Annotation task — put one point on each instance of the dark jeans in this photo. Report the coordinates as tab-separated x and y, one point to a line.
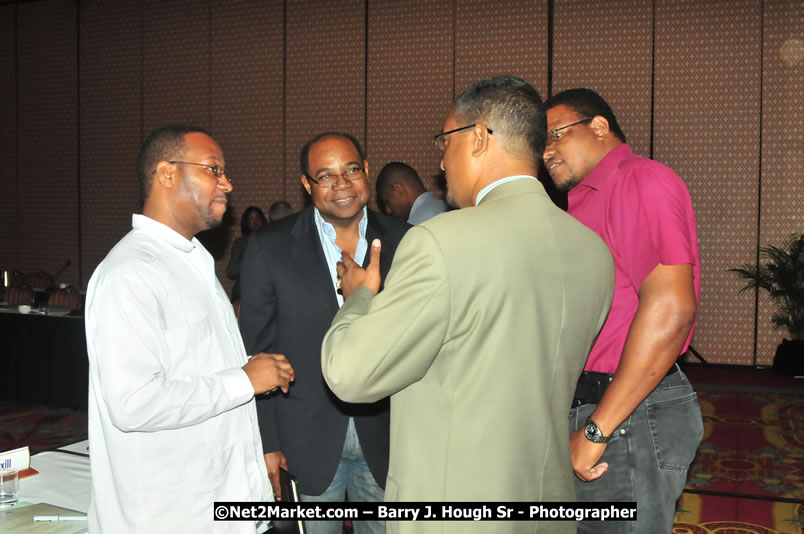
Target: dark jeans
648	457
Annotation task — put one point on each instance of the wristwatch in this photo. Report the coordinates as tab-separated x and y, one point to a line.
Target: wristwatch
593	432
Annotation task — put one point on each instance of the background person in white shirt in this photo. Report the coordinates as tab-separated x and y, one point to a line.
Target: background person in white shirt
172	419
401	194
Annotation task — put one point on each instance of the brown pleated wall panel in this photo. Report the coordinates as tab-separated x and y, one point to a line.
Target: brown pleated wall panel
176	63
606	46
502	37
9	214
247	108
177	79
707	124
110	124
324	78
782	208
48	137
410	82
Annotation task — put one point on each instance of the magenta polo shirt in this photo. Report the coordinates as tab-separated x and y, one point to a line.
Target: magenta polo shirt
643	211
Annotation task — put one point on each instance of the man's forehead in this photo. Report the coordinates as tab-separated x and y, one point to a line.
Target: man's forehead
202	144
560	113
333	148
451	122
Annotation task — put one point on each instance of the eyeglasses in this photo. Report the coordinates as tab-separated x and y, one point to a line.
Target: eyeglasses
440	139
555	134
352	174
220	172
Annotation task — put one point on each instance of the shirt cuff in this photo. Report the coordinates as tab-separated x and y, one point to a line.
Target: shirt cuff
236	384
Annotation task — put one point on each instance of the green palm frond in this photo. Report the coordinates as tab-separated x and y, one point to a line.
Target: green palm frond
781	273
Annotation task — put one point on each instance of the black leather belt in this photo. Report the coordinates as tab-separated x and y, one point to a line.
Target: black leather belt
591	386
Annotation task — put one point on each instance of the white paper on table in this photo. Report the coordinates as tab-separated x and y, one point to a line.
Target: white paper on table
19	520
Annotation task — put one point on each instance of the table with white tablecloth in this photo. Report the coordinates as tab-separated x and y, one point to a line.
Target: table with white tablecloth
63	478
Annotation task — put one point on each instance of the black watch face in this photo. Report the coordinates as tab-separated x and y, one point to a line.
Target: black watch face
593	433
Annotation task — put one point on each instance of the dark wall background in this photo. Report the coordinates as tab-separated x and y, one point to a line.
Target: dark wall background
712	88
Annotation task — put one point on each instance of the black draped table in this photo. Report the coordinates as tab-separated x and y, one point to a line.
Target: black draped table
44	359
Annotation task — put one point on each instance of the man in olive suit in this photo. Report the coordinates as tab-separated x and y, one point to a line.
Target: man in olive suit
484	324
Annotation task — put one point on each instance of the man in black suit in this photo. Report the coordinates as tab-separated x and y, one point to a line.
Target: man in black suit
289	295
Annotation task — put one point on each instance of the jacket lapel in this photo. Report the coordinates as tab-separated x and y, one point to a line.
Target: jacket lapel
374	231
308	255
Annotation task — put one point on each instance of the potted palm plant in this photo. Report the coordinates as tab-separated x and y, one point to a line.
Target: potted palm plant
780	272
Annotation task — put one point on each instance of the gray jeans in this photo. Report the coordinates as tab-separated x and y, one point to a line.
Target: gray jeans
648	457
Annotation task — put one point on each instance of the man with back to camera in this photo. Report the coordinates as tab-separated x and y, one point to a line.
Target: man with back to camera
483	326
172	418
635	422
279	210
289	297
402	195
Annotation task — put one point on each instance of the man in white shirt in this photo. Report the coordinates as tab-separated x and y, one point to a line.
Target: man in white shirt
401	194
172	419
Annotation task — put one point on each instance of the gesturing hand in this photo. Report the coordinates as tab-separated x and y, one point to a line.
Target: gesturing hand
351	275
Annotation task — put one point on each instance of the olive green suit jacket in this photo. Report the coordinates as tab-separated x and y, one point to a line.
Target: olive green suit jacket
479	336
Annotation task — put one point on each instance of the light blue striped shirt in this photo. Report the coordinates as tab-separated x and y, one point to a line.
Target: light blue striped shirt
332	252
483	192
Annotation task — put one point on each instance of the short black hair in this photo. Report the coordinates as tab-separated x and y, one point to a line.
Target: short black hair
245	229
587	104
511	108
397	172
304	157
279	209
163	144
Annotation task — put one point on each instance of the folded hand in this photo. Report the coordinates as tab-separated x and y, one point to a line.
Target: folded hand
268	372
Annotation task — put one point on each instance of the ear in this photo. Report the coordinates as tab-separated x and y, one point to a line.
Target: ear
306	185
399	190
365	168
480	140
164	173
600	126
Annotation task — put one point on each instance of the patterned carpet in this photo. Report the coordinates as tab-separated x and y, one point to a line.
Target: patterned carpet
39	427
748	475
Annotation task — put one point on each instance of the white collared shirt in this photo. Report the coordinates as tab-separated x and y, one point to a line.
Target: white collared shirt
485	191
333	253
172	418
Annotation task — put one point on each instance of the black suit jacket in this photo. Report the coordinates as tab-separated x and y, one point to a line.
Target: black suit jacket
287	302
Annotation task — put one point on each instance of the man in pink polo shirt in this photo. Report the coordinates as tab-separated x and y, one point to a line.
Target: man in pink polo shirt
635	422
